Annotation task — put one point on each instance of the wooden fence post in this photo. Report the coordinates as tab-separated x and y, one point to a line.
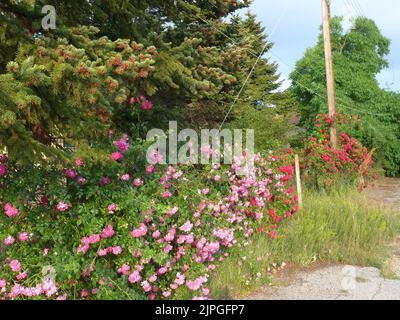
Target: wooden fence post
298	181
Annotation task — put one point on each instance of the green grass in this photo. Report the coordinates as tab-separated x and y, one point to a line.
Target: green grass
340	227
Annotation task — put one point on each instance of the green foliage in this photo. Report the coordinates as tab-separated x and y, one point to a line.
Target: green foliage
55	91
61	84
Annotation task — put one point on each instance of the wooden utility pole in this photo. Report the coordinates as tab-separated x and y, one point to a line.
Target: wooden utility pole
329	67
298	182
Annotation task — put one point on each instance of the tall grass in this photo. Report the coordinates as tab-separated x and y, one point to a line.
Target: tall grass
340	227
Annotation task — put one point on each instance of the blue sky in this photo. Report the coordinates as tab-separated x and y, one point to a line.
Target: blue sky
293	26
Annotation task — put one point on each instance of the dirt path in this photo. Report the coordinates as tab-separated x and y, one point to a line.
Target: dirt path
339	282
387	193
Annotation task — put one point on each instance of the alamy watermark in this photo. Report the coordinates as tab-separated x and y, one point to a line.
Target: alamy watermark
213	146
49	20
349	280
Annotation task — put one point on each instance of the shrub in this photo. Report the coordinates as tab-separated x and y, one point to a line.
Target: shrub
123	231
324	166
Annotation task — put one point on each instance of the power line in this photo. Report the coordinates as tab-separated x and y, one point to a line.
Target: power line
255	64
258	56
244	84
357	7
351	7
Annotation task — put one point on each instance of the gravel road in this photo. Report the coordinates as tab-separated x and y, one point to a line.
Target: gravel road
339	282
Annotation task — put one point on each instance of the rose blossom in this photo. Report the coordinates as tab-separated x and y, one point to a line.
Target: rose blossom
125	177
15	266
138	182
107	232
112	207
22	275
3	283
2	170
79	162
70	173
61	206
23	236
9	241
149	169
116	250
187	227
124	269
134	277
117	156
140	232
10	211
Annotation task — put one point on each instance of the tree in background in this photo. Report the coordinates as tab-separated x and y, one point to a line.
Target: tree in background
177	55
262	105
359	55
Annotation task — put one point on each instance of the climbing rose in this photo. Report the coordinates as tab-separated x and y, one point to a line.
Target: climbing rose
70	173
81	180
15	266
149	169
61	206
140	232
112	207
124	269
125	177
156	157
146	286
10	211
147	105
79	162
9	240
122	144
116	250
138	182
3	283
134	277
117	156
23	236
22	275
187	227
107	232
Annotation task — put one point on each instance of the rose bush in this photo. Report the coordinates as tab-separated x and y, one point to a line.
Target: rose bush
349	164
121	230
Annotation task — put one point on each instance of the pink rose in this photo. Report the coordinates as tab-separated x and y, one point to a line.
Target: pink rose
15	266
138	182
9	241
134	277
149	169
116	250
21	276
125	177
112	207
107	232
10	211
61	206
117	156
140	232
2	170
79	162
23	236
70	173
